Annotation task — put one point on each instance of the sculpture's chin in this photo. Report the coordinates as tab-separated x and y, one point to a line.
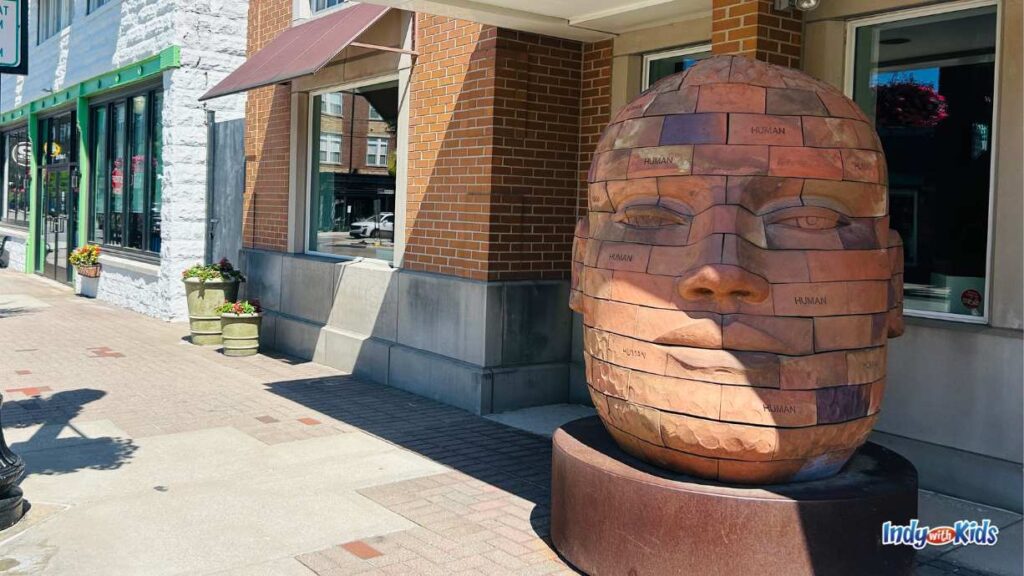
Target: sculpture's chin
730	453
751	417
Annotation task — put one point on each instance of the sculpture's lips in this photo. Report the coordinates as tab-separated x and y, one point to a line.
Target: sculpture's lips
739	335
724	366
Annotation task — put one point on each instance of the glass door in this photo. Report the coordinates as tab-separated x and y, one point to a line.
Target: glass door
58	195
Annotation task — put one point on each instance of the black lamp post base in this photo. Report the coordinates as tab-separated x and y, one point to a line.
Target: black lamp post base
12	507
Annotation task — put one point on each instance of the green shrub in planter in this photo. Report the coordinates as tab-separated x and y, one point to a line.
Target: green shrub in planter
240	327
208	286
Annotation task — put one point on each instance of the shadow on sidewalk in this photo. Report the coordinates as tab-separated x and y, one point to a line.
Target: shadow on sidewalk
511	460
58	446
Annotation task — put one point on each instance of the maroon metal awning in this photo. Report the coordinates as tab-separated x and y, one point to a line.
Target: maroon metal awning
300	50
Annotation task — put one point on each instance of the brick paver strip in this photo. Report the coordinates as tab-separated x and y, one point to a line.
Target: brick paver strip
30	391
361	549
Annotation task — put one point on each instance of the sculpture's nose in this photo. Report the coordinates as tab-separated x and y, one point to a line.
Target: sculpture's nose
725	285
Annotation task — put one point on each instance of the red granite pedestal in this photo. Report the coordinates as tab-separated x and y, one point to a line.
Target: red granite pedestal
612	514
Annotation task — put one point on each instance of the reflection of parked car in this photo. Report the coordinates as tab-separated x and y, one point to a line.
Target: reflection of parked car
368	227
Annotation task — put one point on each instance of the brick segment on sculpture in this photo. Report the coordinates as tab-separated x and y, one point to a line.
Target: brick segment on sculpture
736	274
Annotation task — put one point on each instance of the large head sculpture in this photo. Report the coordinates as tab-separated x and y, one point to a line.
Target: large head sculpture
737	276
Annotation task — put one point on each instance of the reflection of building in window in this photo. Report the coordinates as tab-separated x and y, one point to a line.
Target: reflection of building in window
376	152
330	148
352	189
332	104
318	5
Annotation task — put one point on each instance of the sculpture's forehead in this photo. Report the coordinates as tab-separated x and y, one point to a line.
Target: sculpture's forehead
757	194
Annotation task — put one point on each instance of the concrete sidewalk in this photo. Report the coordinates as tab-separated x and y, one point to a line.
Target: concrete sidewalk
148	455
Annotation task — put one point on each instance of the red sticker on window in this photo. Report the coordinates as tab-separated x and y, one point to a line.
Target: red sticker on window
971	299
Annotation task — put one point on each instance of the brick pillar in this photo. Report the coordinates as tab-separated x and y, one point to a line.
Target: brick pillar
595	107
267	138
493	152
755	28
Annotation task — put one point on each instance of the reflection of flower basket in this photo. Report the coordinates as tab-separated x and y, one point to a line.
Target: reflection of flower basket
92	271
907	103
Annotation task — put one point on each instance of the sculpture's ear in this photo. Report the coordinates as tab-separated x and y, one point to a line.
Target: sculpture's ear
579	252
895	246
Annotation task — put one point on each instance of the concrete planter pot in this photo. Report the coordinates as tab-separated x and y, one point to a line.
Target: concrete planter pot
87	281
203	299
241	334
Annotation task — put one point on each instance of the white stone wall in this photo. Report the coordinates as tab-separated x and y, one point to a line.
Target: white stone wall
212	36
14	251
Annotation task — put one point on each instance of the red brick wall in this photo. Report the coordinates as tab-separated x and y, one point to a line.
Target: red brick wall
451	98
595	107
267	134
755	28
534	180
493	152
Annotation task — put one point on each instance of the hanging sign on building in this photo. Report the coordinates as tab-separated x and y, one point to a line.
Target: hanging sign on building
14	37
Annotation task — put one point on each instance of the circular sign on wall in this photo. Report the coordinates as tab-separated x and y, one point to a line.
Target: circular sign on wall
21	153
971	299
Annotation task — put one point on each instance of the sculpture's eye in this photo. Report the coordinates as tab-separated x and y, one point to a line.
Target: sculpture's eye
650	216
808	218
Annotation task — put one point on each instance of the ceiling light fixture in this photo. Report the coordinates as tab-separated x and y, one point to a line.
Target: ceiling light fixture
801	5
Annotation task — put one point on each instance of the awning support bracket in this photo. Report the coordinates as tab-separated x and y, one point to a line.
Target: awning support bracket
384	48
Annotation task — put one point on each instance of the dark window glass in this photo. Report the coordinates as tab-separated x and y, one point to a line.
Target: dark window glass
928	84
17	177
117	175
100	187
157	172
137	174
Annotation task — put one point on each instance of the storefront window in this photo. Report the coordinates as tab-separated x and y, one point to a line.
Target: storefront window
352	183
661	64
928	84
17	176
127	173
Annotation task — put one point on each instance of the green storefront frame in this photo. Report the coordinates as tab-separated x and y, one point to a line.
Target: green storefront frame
78	96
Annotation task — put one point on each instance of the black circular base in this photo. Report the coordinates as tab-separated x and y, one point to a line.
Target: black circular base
12	507
612	514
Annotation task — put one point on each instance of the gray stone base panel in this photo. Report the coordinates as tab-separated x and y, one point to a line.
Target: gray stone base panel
478	390
362	356
442	379
965	475
473	388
